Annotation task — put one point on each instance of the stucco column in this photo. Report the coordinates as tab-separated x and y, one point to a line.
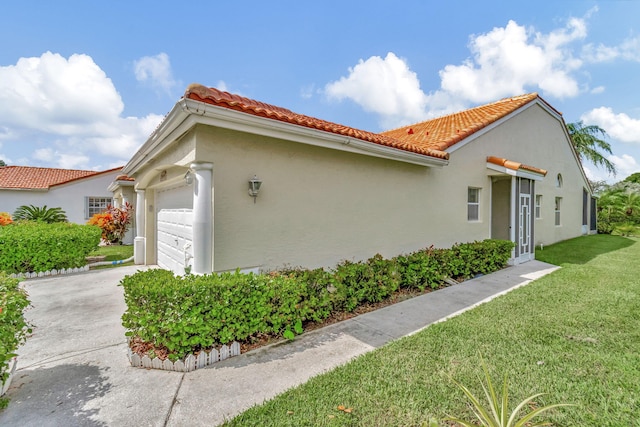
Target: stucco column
139	241
202	218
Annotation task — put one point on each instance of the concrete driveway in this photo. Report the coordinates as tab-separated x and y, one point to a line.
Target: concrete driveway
74	370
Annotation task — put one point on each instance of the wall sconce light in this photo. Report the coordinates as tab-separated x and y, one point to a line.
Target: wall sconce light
188	177
254	187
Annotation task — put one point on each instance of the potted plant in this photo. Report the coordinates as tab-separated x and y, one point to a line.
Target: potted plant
13	327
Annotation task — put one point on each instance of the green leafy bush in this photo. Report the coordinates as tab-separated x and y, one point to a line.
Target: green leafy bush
13	327
34	246
192	313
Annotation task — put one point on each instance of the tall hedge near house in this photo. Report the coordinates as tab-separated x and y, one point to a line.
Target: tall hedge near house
30	246
186	314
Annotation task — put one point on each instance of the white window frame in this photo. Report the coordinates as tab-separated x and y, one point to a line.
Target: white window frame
538	206
475	205
557	211
96	204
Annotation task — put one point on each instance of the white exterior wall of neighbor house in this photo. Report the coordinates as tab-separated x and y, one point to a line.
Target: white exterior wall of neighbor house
533	137
70	196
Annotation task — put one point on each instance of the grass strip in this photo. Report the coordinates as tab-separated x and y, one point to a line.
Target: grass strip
573	335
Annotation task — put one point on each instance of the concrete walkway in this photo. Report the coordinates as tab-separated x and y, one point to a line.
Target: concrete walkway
74	370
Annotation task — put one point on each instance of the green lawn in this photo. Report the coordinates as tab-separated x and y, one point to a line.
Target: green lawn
114	252
574	334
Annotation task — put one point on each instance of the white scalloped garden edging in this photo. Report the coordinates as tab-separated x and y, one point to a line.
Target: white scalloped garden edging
53	272
11	370
190	363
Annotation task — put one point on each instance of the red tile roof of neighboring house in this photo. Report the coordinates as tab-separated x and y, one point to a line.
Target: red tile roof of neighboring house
235	102
443	132
36	178
510	164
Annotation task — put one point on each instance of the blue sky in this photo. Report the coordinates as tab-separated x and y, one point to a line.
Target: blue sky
83	84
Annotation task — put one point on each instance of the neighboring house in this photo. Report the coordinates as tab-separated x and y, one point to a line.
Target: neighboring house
505	170
80	193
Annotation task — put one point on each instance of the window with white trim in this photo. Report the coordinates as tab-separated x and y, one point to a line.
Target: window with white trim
538	206
473	204
557	209
559	181
94	205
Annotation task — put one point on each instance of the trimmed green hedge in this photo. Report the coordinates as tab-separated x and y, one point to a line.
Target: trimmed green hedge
192	313
29	246
13	327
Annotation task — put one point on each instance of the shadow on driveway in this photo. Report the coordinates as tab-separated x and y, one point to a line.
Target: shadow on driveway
54	396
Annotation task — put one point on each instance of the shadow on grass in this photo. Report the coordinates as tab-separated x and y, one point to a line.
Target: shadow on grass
583	249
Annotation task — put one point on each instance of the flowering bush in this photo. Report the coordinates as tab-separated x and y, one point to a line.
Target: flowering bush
114	222
5	218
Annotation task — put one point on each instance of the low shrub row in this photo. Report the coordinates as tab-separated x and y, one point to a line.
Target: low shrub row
192	313
28	246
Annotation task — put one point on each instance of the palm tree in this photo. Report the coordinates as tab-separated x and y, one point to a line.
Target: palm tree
43	214
586	140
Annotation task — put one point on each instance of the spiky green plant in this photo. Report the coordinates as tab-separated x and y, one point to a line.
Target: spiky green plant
43	214
497	412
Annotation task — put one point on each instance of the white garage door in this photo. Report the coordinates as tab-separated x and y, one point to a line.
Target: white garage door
174	228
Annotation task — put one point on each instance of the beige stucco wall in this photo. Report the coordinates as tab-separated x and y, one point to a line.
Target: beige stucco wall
318	206
535	138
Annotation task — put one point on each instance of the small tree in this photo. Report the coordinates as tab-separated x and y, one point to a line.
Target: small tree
114	222
43	214
587	141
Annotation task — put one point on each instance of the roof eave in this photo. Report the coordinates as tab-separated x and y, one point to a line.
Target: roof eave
239	121
521	173
160	137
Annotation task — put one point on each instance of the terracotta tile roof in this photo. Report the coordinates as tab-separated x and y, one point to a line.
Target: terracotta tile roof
509	164
443	132
235	102
124	178
35	178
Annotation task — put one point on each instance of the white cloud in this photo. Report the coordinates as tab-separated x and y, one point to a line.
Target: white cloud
53	94
70	104
4	157
306	92
155	70
62	160
625	164
628	50
597	90
619	126
386	87
506	61
222	85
